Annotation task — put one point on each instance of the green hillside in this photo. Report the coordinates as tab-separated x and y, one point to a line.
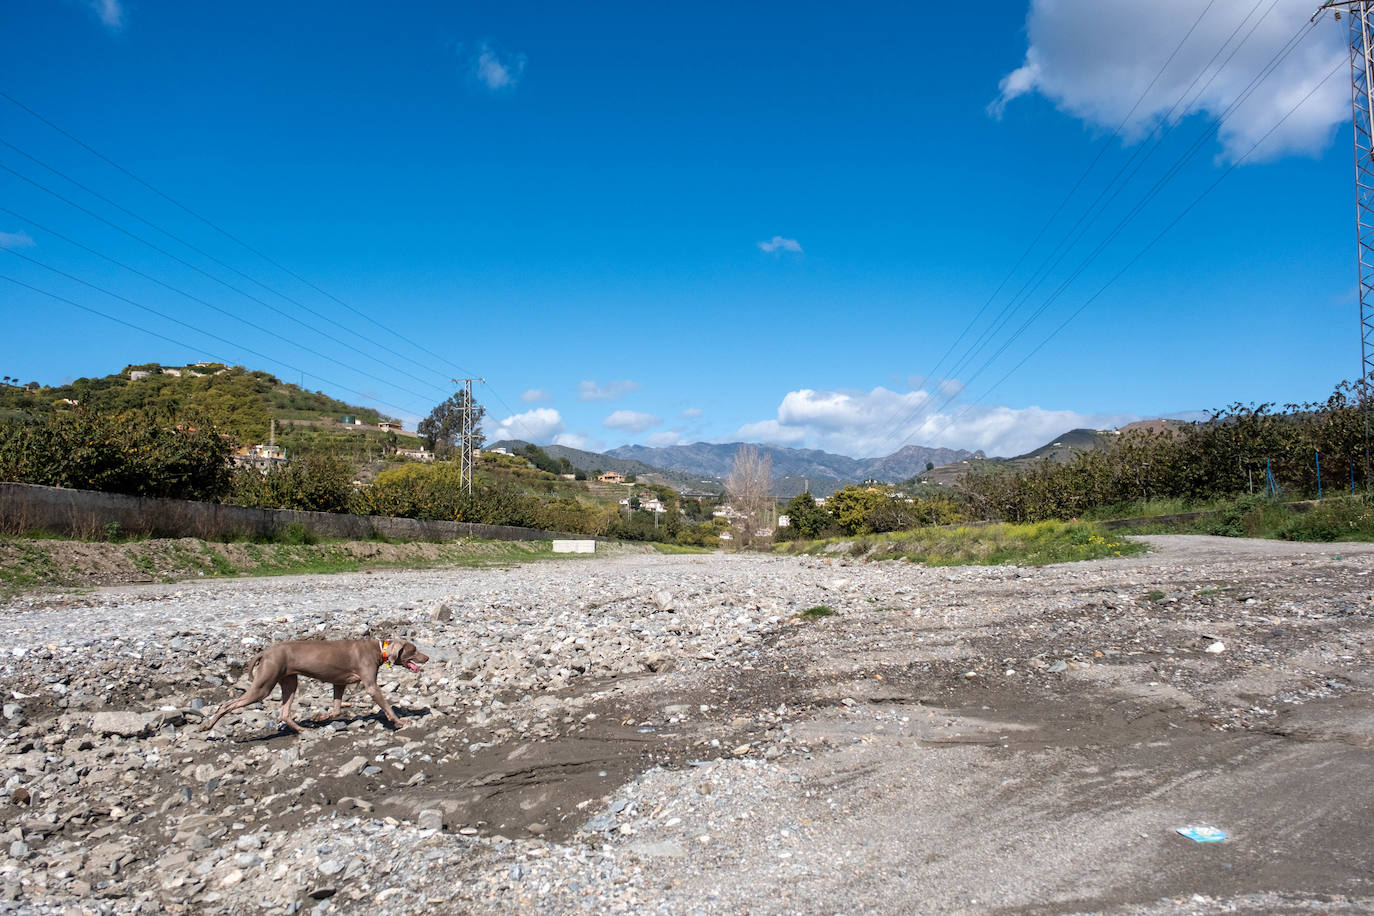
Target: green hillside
239	402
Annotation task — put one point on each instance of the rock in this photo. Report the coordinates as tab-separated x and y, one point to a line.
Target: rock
352	768
1057	667
658	662
1216	648
441	613
330	867
12	711
664	600
431	819
233	878
19	850
125	724
661	850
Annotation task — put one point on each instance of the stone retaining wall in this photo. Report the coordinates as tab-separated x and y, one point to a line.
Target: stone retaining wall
85	513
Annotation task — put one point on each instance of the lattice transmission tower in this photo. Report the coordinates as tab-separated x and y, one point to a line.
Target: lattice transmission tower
465	450
1360	17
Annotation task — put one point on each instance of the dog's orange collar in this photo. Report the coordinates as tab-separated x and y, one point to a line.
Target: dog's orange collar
382	645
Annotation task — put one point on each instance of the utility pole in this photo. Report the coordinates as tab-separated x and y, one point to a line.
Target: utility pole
465	457
1360	14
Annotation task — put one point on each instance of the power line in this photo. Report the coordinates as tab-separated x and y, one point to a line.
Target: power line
181	292
180	343
1174	222
224	232
1101	151
1093	212
159	249
205	254
1267	70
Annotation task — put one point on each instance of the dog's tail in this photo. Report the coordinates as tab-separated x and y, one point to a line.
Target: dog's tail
254	664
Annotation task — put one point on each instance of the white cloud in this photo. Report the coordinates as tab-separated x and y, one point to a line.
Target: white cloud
496	74
18	239
110	12
631	421
591	391
770	431
878	422
538	426
1094	60
579	440
663	439
778	243
535	396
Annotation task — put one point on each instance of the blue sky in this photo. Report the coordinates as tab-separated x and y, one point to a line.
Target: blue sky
718	221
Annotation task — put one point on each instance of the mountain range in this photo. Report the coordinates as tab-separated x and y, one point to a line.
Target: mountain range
715	460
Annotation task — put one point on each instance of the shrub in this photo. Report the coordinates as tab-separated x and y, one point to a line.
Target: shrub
130	453
316	483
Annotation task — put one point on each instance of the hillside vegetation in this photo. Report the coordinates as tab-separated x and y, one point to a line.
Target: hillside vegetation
240	403
1241	450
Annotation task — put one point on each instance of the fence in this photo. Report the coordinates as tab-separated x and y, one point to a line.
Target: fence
86	513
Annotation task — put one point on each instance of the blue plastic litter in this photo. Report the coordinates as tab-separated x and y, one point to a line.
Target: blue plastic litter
1203	834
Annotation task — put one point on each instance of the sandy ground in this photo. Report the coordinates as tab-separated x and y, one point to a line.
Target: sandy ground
977	740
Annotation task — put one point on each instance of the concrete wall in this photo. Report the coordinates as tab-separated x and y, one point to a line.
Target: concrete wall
85	513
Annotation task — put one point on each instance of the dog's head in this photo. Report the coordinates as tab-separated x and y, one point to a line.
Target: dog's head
408	656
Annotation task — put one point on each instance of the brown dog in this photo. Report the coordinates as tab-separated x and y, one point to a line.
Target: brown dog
338	662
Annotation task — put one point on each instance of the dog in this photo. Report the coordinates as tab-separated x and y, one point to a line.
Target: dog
339	662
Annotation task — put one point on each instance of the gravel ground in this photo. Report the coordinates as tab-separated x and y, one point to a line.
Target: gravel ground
666	734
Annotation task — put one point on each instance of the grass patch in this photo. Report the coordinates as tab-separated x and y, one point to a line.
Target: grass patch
985	545
1155	596
1336	518
817	612
677	548
25	566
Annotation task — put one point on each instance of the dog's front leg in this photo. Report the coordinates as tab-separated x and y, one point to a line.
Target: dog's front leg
376	691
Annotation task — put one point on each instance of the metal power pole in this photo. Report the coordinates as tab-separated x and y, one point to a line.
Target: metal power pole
1360	14
465	456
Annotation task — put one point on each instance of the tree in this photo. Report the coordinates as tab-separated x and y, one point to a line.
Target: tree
930	465
444	425
749	485
805	518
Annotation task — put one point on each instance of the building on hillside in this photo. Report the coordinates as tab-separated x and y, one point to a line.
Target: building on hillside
500	451
176	372
648	504
416	454
136	374
390	426
612	477
261	457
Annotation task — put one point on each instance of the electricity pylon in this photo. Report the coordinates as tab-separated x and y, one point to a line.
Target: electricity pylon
1360	14
465	456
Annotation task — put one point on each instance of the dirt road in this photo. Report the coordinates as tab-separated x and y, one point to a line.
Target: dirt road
668	734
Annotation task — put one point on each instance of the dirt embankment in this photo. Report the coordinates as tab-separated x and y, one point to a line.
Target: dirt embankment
44	563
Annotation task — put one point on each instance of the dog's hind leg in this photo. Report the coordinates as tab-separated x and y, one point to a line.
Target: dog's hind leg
288	695
256	692
337	707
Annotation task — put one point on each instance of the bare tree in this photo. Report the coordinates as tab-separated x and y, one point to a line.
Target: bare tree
750	484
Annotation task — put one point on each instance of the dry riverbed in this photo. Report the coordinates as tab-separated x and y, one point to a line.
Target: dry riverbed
667	734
